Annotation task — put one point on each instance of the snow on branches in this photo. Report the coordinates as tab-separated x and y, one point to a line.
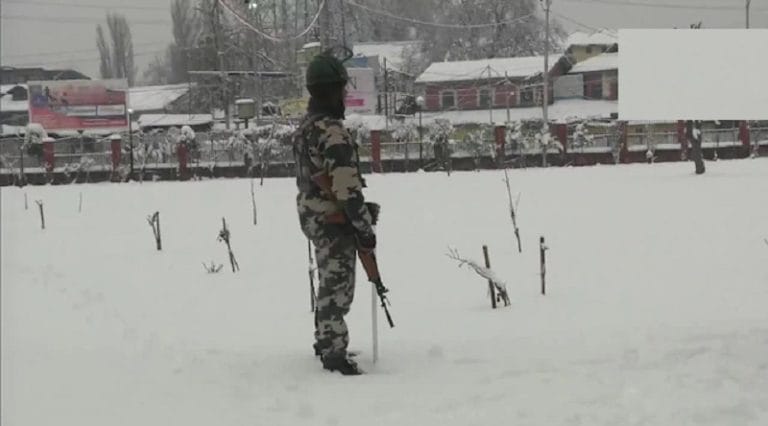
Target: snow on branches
487	273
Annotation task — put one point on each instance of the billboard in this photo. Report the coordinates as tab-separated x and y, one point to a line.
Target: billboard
79	104
361	91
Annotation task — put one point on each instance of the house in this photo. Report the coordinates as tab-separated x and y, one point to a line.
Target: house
13	104
198	122
12	75
488	83
581	46
401	60
600	76
158	99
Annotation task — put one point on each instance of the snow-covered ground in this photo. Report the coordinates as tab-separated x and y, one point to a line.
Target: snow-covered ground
655	313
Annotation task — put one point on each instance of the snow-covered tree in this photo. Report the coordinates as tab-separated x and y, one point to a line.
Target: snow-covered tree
439	137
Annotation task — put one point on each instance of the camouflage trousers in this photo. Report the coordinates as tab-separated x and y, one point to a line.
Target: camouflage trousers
335	251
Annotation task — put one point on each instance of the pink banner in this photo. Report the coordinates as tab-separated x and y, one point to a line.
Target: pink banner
79	104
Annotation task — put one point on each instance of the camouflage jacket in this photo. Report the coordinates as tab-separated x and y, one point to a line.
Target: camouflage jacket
323	146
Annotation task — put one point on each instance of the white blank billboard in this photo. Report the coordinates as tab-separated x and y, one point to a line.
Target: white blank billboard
693	74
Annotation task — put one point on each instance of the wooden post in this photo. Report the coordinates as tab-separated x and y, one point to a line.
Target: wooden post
543	261
744	134
159	235
500	133
491	286
42	214
116	156
376	151
181	151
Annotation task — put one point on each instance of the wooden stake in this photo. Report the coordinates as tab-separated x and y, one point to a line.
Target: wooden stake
26	205
253	202
542	256
154	222
80	204
491	286
42	214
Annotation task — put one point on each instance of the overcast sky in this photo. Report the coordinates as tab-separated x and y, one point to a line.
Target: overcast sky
61	33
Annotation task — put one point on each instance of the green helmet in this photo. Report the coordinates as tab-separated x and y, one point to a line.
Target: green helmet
326	69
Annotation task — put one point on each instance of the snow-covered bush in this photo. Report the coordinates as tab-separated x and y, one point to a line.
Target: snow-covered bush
582	137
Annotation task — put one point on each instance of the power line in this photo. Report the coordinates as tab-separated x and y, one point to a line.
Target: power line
573	21
75	20
69	52
267	36
659	5
84	59
435	24
84	6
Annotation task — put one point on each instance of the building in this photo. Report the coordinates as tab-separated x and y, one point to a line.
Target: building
13	104
488	83
599	75
158	99
397	63
581	46
12	75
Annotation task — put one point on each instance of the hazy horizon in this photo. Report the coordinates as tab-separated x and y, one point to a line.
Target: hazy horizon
61	33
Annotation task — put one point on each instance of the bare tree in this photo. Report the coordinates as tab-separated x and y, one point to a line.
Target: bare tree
105	58
116	61
186	29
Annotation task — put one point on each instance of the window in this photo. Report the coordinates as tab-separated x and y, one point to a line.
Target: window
484	98
597	90
448	99
526	97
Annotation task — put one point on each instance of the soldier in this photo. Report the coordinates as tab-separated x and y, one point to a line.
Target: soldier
329	182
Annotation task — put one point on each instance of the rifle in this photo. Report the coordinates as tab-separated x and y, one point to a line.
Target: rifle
367	258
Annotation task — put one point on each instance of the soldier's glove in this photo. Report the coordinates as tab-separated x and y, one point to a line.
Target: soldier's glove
374	209
366	242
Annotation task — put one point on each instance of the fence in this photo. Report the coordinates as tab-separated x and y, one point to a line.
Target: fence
160	152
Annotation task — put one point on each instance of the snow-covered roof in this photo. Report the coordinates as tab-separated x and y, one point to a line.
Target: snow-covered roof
527	66
563	111
6	99
393	51
170	120
6	130
603	62
154	98
600	38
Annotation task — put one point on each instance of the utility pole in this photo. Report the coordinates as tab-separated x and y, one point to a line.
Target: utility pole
547	6
343	24
490	97
386	96
325	26
748	4
216	23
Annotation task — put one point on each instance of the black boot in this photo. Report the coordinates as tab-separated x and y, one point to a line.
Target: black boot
342	364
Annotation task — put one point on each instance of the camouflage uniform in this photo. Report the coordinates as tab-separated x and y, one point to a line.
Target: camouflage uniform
323	146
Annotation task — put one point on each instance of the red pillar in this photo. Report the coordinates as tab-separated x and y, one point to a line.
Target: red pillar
560	131
376	150
682	140
116	153
48	155
744	133
181	151
500	136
